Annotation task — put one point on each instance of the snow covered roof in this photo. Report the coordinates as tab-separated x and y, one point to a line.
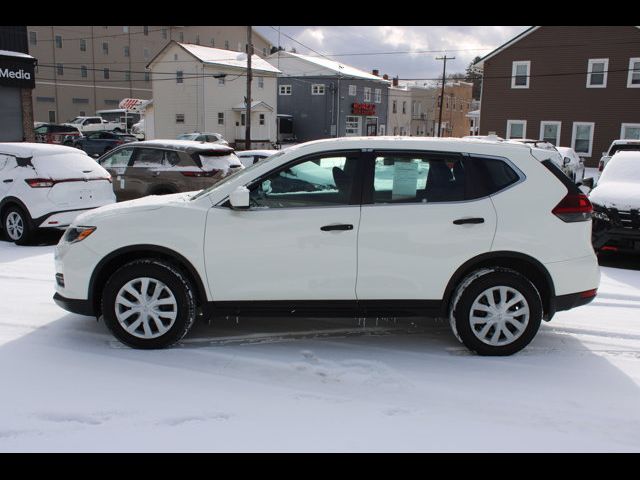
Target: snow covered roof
254	104
218	56
30	149
328	67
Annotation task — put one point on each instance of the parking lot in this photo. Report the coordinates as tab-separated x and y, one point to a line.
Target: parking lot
314	385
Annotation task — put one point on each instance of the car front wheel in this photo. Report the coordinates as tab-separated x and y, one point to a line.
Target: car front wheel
149	304
496	311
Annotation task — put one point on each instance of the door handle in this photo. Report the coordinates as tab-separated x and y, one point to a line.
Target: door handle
462	221
337	226
8	180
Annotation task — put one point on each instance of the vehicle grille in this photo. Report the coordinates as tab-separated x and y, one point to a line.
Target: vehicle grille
628	219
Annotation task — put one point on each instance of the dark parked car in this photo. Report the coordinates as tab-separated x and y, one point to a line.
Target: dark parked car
54	133
158	167
98	143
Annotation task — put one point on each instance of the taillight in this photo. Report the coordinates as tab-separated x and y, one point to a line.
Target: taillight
201	173
573	208
40	182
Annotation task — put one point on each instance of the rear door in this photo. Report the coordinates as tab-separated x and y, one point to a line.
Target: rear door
142	174
7	174
116	164
418	225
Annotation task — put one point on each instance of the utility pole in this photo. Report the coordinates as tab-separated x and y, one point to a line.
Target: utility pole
247	138
444	79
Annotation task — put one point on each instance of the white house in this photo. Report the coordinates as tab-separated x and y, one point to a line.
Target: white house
203	89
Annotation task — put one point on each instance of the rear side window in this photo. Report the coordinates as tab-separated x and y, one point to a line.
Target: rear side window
490	175
148	157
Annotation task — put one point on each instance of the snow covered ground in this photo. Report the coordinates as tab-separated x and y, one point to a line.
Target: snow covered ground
326	385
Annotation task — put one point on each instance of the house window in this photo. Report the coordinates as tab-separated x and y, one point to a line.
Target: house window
516	128
179	77
378	92
597	72
58	41
60	69
126	50
127	75
179	117
105	73
52	116
394	106
125	29
83	45
367	94
582	138
520	73
404	107
285	90
33	38
145	30
550	132
353	90
633	80
352	126
220	118
147	76
260	82
262	119
105	48
242	119
83	71
630	131
221	81
317	89
145	53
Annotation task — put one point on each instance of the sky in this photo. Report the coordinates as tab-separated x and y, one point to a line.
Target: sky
462	42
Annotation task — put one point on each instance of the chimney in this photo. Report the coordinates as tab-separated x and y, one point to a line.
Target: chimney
385	76
376	72
395	81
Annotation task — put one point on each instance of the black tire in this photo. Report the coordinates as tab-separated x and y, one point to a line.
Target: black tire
25	220
467	293
173	278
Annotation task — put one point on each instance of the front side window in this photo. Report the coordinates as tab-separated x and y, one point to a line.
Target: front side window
116	159
582	138
597	72
516	128
149	158
401	177
325	180
520	74
550	132
633	78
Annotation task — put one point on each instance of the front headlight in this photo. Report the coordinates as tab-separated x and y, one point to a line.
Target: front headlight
77	234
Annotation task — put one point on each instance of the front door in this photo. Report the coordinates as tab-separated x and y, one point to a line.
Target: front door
296	242
418	225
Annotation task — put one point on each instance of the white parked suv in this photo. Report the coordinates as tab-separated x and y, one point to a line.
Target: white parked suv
47	186
488	234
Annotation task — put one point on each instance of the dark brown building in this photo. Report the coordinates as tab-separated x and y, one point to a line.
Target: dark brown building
576	86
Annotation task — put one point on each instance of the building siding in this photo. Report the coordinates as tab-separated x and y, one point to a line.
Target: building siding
554	51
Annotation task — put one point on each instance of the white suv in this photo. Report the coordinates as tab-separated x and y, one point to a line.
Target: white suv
47	186
488	234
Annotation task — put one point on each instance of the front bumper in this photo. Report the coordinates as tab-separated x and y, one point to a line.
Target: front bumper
615	229
81	307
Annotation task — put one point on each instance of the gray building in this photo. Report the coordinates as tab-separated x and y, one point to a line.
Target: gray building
329	99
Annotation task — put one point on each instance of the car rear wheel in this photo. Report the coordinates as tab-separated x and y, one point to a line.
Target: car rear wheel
149	304
496	311
17	225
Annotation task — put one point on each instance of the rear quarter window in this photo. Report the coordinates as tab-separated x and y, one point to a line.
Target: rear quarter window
490	175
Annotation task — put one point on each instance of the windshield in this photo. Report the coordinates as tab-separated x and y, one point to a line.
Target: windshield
235	175
77	120
623	167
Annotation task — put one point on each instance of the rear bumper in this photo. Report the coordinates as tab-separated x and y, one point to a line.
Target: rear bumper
573	300
81	307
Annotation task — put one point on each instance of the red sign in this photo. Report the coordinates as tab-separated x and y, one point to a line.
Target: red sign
363	109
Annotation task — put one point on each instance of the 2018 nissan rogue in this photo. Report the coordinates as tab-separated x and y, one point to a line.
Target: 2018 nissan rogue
491	235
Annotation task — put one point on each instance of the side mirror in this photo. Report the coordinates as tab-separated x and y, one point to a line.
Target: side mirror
239	198
587	182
